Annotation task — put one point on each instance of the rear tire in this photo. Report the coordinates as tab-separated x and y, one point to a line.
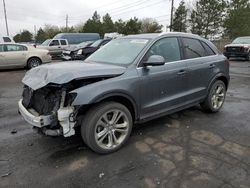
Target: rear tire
106	127
215	98
33	62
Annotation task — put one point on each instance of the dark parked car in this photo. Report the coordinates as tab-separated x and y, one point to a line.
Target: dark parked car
130	80
86	51
240	47
71	53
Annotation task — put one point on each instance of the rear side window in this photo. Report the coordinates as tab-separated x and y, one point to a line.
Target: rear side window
193	48
167	48
208	50
6	39
12	47
63	42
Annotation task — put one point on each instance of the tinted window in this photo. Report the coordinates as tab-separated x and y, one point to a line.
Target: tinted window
63	42
193	48
54	43
12	47
1	48
6	39
167	48
208	50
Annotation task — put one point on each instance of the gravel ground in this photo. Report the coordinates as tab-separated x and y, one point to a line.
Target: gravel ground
189	149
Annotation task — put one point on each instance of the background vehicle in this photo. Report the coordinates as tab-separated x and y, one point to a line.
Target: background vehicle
70	52
86	51
76	38
4	39
13	55
131	79
240	47
54	46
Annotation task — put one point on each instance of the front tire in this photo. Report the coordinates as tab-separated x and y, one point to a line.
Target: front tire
33	62
106	127
216	97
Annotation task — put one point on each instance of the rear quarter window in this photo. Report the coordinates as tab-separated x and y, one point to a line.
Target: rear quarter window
208	50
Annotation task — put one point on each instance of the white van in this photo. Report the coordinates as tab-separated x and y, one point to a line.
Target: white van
4	39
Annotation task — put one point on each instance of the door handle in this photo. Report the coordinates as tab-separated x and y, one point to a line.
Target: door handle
181	72
211	66
59	46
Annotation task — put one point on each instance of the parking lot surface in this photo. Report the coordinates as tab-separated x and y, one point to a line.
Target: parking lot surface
188	149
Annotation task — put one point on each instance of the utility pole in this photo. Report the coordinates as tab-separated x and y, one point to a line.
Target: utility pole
67	20
5	14
172	12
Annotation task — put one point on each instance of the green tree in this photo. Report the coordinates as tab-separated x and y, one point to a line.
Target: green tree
120	26
93	25
107	24
149	25
133	26
17	37
180	18
207	17
237	22
24	36
41	36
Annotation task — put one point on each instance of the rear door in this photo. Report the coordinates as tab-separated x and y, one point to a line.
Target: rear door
163	87
64	44
201	63
15	55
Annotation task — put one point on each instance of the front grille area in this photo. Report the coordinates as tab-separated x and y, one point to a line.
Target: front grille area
44	101
235	49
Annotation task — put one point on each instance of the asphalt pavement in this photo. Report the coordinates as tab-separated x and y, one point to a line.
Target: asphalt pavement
188	149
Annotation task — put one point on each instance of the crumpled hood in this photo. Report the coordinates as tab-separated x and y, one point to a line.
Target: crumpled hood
238	45
60	73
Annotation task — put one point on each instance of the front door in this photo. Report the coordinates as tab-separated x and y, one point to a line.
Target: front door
163	87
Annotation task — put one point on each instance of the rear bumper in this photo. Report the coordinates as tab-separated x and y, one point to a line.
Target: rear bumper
37	121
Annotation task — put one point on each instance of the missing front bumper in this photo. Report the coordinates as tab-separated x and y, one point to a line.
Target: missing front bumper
63	116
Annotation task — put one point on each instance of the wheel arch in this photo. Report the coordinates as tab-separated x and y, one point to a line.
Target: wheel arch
31	58
221	77
122	98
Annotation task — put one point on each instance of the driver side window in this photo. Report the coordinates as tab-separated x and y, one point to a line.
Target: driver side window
168	48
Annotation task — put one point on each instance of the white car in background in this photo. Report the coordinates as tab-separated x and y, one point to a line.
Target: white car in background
13	55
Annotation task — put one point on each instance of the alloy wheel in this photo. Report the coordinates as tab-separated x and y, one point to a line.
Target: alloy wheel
111	129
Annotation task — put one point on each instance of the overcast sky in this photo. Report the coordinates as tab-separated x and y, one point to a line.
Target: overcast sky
24	14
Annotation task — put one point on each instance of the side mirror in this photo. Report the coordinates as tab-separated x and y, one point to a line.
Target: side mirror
155	60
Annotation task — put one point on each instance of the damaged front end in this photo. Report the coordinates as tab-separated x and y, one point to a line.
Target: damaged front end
49	109
49	93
